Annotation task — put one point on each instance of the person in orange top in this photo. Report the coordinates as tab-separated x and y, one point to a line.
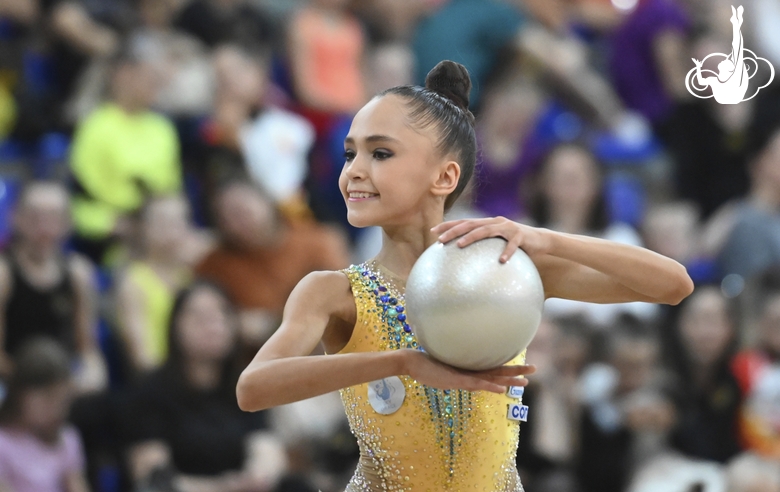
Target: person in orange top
326	49
262	256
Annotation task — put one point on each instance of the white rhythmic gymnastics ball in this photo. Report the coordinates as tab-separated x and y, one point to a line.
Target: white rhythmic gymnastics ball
468	309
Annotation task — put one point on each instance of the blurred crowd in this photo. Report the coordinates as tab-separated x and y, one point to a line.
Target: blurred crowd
168	173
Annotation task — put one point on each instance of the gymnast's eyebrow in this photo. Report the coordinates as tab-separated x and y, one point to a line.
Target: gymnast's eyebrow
372	139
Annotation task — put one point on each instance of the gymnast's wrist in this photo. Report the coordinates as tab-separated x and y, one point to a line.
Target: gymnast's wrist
403	360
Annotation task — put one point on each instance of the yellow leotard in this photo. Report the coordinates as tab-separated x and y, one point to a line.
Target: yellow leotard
437	440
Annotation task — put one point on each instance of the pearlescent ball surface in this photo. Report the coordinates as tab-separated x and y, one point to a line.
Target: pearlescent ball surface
469	310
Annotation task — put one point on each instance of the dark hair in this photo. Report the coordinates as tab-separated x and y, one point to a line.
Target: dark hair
444	104
174	365
39	363
598	218
679	359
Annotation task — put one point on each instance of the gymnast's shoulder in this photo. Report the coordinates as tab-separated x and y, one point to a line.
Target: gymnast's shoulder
326	293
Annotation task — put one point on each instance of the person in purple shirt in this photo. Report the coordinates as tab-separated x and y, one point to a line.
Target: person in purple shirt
510	148
645	61
39	452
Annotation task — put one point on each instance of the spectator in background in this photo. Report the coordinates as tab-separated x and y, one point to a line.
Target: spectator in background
750	473
509	152
184	426
626	414
215	22
122	154
272	143
569	198
648	58
23	11
18	17
146	291
752	242
183	61
389	65
708	396
39	451
709	143
46	292
71	34
391	21
325	48
488	35
547	450
262	256
758	372
477	33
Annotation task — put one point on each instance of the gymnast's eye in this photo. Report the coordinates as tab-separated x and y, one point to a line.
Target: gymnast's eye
381	154
349	155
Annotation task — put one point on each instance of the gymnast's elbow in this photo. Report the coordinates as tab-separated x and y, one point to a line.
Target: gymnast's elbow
682	288
247	396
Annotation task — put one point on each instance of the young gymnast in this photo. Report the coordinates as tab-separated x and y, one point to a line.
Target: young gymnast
422	425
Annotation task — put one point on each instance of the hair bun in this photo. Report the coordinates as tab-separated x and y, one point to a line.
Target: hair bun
451	80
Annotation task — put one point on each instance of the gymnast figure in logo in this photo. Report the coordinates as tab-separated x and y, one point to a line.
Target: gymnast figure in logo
731	84
383	391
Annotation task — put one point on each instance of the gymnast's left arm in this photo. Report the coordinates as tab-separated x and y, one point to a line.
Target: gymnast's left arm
580	267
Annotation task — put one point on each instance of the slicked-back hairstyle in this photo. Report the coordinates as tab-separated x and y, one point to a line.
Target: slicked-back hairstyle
443	104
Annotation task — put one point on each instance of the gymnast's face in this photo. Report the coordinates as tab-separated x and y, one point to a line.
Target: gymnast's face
393	173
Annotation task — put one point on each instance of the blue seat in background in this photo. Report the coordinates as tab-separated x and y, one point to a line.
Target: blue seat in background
38	72
556	124
52	152
613	151
7	29
11	152
9	191
625	197
703	270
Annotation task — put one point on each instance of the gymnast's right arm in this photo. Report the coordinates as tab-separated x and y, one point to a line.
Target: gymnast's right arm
283	371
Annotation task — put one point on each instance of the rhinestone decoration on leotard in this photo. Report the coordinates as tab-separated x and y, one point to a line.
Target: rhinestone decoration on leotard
438	440
447	409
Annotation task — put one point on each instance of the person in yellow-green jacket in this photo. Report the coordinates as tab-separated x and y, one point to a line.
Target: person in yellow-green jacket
122	153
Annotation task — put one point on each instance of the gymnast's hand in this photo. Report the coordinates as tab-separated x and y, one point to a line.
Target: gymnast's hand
425	370
533	240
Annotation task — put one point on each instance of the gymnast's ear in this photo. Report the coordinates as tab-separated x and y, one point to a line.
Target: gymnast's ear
447	178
